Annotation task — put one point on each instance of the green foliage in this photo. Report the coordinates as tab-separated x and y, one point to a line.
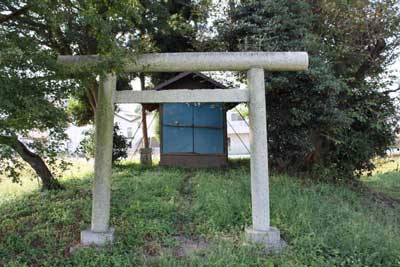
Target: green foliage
114	30
75	27
79	111
172	26
87	145
34	32
243	110
120	145
324	225
338	115
31	101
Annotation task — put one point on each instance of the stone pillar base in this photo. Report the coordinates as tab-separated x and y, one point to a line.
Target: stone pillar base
271	239
145	156
89	237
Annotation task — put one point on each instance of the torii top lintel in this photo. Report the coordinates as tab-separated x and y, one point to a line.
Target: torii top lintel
204	61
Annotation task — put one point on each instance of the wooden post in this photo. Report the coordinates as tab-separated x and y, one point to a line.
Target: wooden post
144	119
145	152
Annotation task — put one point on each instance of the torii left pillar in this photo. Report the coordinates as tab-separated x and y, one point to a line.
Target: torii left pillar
100	232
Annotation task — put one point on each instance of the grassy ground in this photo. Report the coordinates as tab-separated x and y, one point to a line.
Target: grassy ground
386	177
175	217
30	182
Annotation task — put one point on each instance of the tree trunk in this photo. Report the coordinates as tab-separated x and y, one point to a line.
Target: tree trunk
15	14
34	160
144	119
314	157
144	129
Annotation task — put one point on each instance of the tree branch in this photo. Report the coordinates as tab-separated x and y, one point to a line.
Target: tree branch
392	91
34	160
14	14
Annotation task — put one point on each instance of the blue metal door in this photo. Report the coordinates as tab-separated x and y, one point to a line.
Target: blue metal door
208	123
193	128
177	131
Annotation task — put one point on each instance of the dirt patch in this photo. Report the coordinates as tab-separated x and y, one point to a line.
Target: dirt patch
380	197
37	242
185	188
184	247
386	200
187	246
152	249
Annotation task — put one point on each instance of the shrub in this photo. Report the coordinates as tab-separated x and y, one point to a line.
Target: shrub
86	147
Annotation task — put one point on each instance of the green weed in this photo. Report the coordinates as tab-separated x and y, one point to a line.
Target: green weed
324	225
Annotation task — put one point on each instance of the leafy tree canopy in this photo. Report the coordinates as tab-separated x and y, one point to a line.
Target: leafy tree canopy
34	32
338	115
115	30
31	100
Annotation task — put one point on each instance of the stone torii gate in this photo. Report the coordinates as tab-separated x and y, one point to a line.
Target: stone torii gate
254	63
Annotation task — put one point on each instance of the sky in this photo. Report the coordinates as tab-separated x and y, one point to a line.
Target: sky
396	68
396	71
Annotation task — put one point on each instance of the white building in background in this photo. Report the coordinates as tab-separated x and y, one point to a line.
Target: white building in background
75	136
238	134
128	119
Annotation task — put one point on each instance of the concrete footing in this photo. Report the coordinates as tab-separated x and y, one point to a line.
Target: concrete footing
145	156
89	237
271	238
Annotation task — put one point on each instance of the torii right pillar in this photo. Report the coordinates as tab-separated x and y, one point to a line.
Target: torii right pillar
260	231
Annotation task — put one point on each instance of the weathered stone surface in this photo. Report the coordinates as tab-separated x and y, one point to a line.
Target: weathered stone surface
259	153
270	238
89	237
207	61
103	161
261	232
183	96
145	156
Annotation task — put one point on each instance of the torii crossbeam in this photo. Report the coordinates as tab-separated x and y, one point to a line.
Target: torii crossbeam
254	63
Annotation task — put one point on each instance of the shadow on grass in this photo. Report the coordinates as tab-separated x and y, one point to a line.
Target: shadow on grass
134	168
387	183
239	163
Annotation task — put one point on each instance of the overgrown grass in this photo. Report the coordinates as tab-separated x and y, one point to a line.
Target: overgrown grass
324	225
30	182
386	177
